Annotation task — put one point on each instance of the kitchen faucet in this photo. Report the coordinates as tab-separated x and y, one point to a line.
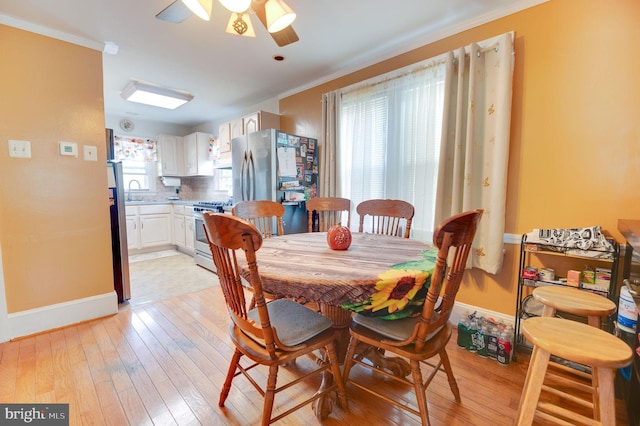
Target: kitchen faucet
129	192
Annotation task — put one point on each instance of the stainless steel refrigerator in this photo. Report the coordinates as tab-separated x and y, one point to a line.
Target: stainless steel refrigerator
119	248
278	166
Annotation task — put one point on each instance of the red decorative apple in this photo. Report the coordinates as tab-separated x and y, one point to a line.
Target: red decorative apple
339	237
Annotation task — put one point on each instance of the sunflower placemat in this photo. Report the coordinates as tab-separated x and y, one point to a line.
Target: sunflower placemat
400	290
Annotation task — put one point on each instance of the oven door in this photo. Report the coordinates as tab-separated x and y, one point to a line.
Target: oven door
202	253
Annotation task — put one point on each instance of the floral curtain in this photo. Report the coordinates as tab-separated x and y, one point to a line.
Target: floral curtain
327	148
475	143
135	149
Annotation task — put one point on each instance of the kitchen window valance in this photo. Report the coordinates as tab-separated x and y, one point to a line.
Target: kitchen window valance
135	149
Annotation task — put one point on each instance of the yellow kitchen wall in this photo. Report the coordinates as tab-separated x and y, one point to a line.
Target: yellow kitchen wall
574	157
54	217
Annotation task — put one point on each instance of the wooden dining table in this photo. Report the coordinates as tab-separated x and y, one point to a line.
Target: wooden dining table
304	268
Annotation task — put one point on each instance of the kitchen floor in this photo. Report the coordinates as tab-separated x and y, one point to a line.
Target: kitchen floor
164	274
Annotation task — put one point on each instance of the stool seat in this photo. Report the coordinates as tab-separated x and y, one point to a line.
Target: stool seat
574	301
578	343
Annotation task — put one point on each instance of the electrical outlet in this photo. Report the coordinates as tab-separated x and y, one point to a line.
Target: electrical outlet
19	149
90	153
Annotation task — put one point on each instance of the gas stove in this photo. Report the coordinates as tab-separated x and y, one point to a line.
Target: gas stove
211	206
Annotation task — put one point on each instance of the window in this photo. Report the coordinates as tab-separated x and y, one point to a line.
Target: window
142	173
138	158
389	144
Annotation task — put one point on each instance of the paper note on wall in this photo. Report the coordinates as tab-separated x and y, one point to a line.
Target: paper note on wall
287	161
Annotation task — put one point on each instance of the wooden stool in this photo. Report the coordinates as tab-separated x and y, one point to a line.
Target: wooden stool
582	303
576	342
574	301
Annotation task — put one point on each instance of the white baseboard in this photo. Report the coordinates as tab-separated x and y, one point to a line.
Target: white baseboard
50	317
461	309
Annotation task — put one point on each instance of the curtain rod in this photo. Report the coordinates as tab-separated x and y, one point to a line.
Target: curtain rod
440	59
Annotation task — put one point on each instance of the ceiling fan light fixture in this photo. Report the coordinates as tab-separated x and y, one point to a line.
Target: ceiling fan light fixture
279	15
240	24
201	8
159	96
237	6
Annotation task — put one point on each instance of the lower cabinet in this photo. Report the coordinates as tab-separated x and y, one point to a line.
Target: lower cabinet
189	228
183	235
149	226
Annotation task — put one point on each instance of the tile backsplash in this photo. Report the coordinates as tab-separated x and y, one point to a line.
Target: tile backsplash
192	188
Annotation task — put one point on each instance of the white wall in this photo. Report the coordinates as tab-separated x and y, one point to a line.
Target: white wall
144	128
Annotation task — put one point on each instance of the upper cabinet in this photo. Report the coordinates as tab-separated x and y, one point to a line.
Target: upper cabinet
170	157
259	121
224	137
197	158
250	123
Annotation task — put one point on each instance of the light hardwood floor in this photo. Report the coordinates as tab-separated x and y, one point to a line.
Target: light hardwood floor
163	362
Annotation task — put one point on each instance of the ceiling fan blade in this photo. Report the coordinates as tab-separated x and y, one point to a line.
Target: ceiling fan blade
176	12
282	37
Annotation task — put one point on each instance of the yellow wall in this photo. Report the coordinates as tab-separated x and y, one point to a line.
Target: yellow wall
54	217
575	138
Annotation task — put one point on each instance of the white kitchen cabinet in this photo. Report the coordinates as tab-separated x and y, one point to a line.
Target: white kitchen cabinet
198	161
189	234
148	226
178	230
224	138
183	235
259	121
170	155
250	123
237	128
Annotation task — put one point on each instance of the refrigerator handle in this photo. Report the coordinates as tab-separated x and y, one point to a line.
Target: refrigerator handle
252	177
243	178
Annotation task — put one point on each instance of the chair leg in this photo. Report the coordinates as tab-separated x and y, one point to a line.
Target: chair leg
421	397
337	376
532	386
452	380
230	374
269	395
348	359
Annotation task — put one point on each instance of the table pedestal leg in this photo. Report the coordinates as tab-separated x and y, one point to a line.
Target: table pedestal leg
341	319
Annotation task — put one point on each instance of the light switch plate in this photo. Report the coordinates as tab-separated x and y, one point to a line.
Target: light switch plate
19	149
90	153
69	149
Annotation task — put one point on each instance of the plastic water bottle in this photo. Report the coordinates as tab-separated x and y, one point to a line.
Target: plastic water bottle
492	342
464	335
505	347
482	339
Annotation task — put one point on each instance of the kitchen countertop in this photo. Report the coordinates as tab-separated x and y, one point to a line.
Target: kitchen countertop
146	202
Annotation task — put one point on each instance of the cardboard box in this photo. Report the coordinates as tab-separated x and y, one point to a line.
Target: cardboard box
603	279
573	278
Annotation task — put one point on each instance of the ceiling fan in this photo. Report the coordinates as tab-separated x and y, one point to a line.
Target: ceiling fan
275	15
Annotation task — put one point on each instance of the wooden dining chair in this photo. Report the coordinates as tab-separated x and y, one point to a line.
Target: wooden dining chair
387	216
329	210
418	339
273	333
265	215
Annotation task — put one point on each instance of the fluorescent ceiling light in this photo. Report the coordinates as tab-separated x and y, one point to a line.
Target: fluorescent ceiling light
201	8
155	95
